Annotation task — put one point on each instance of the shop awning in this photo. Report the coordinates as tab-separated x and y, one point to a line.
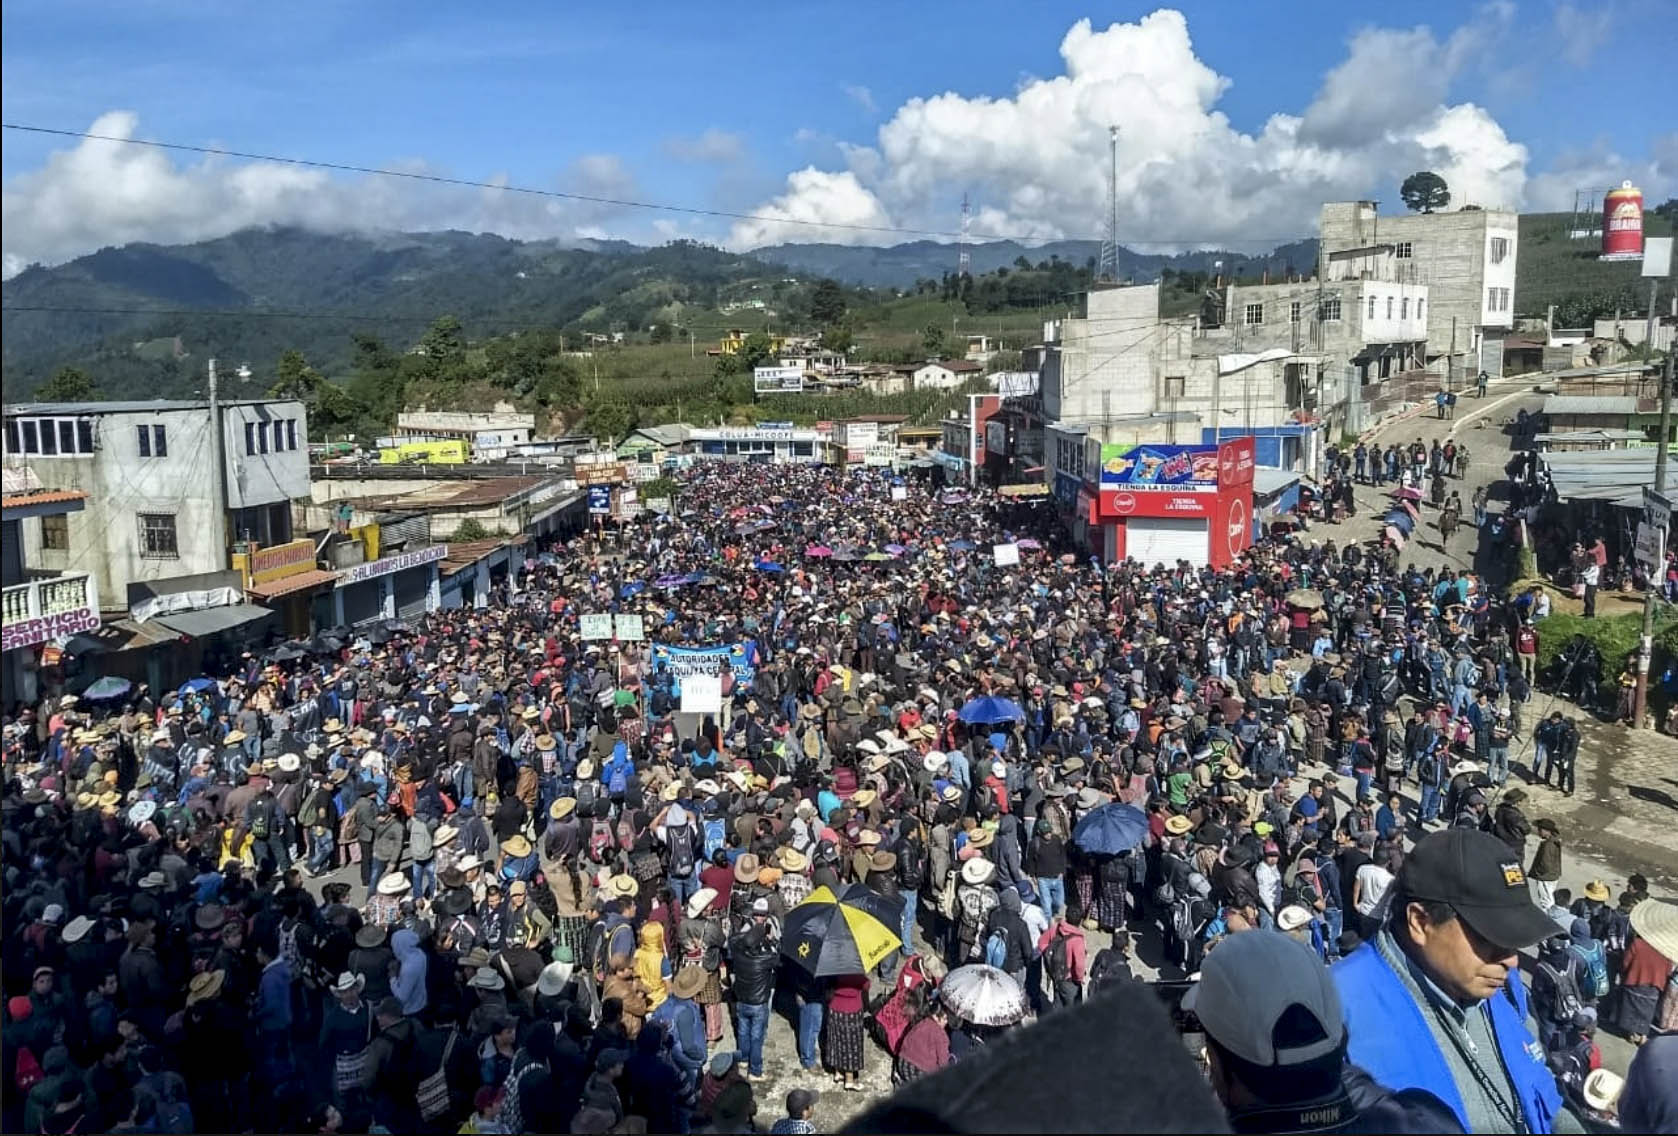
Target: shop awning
210	621
314	578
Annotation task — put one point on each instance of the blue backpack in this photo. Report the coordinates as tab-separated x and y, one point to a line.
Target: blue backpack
996	949
716	835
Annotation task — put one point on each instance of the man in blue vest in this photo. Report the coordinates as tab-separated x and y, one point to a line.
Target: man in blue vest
1436	1001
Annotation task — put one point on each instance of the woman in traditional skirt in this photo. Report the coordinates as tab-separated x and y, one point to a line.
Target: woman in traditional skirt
699	944
843	1030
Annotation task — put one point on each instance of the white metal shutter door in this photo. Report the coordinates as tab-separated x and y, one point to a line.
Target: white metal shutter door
362	602
1165	540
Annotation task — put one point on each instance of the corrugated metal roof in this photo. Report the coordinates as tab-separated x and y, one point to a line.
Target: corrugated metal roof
1267	480
1565	404
1615	476
286	585
133	406
197	624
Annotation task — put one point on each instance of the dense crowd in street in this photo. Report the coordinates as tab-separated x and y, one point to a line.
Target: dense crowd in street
482	874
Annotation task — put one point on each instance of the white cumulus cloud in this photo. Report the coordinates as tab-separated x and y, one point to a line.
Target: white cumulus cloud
817	196
1035	162
98	193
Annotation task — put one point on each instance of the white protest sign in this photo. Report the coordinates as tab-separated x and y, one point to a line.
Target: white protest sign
596	626
1007	555
900	493
629	628
702	694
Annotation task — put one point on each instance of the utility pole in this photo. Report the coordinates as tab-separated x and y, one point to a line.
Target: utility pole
1451	359
218	483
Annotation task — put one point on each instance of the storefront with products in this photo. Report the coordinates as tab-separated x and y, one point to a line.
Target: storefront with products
1158	504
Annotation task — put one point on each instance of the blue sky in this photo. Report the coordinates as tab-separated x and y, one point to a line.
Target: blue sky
715	106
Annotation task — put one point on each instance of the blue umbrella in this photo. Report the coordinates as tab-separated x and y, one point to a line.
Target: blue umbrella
1111	829
633	588
989	709
962	545
197	685
768	566
107	687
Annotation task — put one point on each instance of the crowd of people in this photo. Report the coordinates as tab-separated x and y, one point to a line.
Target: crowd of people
484	874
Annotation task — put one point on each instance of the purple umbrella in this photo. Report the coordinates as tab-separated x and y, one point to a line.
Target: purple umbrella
1029	542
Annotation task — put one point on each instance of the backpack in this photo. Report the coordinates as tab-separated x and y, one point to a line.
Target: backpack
585	794
289	949
432	1094
600	840
617	781
680	839
1566	1000
260	816
996	949
29	1072
1057	960
1108	969
1595	962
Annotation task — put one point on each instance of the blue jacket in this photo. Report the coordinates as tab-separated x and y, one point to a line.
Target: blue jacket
1391	1040
685	1025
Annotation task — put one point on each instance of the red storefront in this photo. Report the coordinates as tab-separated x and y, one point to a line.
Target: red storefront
1207	519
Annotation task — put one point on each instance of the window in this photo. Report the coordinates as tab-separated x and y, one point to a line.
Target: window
1500	249
279	436
157	536
31	440
1252	315
66	436
143	433
1420	304
1404	308
49	437
1402	250
1331	309
1371	308
291	433
1497	299
14	436
250	437
84	436
262	437
55	533
1174	386
1293	312
1389	307
159	442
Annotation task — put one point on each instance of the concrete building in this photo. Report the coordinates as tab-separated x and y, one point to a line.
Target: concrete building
772	445
149	472
1100	364
945	374
491	433
40	605
1466	258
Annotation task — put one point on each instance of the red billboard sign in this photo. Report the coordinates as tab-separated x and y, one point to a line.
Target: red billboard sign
1124	503
1236	461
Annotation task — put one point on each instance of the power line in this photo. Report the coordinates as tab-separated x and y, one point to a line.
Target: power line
625	203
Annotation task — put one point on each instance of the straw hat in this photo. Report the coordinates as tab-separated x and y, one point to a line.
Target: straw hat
444	835
76	930
234	737
689	981
699	901
1657	921
393	883
585	769
977	871
468	863
484	978
981	838
868	838
878	762
1292	917
624	887
516	846
204	986
562	808
670	792
1597	890
746	868
862	798
553	978
290	763
348	981
1178	825
1602	1089
792	860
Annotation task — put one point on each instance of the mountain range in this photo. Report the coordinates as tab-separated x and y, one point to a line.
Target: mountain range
143	317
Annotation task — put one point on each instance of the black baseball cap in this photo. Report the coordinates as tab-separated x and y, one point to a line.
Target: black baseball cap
1485	885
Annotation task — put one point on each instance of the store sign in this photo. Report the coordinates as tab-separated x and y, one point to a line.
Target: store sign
1651	551
599	500
28	632
282	560
643	472
1153	503
1237	527
605	473
401	562
1149	468
996	437
880	453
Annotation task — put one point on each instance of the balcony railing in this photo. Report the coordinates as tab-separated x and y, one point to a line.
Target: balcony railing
54	595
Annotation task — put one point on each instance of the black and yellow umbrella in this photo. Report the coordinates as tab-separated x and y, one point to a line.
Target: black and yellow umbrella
848	933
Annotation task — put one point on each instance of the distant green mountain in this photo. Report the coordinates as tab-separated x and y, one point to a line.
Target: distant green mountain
96	310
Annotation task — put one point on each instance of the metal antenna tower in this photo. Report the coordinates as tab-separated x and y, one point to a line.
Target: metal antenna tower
1108	267
964	259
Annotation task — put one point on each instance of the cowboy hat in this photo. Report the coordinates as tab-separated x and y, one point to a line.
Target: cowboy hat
516	846
792	860
624	887
444	835
554	977
746	868
473	959
1597	890
234	737
878	762
393	883
585	769
977	871
868	746
1090	798
1602	1089
1071	765
484	978
562	808
670	792
699	901
76	929
950	794
347	981
468	863
1292	917
204	986
1656	920
882	862
689	981
1178	825
933	761
862	798
290	763
707	786
151	881
456	901
981	838
868	838
210	917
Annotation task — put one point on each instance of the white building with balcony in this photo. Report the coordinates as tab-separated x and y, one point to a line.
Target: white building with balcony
39	606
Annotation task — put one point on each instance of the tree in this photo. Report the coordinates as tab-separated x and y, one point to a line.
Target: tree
837	337
1425	191
827	303
67	384
444	348
660	333
609	421
469	529
758	350
330	410
932	338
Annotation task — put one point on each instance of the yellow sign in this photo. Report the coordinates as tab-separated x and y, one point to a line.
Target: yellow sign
265	565
455	452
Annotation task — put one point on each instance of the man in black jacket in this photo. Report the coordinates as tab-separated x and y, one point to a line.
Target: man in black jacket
753	959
